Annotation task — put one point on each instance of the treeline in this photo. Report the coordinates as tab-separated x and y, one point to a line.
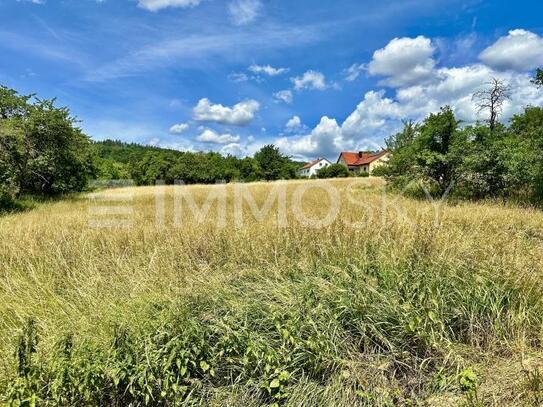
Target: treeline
44	153
487	160
145	165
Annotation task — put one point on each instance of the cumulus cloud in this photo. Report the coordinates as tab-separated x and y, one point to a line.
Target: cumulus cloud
520	50
212	137
325	139
155	5
380	113
234	149
310	80
243	12
267	70
240	114
404	61
285	96
294	123
179	128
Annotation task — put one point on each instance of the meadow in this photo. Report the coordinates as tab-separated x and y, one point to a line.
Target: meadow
392	301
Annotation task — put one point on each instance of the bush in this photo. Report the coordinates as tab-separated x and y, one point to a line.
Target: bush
334	171
380	171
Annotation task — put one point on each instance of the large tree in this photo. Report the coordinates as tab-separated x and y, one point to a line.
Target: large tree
42	151
274	165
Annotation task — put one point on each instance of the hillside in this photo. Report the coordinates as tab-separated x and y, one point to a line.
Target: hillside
395	301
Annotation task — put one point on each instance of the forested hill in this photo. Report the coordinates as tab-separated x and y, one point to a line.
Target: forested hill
122	152
146	164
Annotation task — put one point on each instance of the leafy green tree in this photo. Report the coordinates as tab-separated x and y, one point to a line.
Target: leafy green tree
538	78
401	168
522	152
432	147
249	169
274	165
42	151
13	105
479	171
334	171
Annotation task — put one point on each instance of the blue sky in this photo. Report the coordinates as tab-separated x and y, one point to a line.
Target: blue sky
313	77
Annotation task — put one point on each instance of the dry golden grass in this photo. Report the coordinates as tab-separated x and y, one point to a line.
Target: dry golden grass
71	277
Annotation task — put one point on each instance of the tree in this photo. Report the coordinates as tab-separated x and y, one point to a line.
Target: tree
334	171
538	78
399	168
478	170
492	99
432	147
274	165
42	151
522	152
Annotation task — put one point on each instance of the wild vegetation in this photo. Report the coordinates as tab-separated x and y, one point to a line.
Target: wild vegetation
395	301
195	295
487	160
42	152
145	165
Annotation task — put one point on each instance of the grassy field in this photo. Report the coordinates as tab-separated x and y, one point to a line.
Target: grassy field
394	302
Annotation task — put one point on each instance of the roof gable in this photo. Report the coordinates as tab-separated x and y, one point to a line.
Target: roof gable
361	158
312	163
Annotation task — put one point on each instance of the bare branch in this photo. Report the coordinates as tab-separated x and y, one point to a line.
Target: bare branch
491	100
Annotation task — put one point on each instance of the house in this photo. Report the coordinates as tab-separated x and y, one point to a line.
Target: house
363	161
312	167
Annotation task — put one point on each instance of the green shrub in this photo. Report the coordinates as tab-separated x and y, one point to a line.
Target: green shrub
334	171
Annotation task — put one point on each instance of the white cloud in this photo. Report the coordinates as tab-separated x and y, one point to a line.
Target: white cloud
244	11
212	137
294	123
326	139
379	115
33	1
238	77
285	96
234	149
353	72
404	61
155	5
267	69
310	80
240	114
520	50
179	128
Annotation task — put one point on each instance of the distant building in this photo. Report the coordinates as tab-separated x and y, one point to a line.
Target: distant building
312	167
363	161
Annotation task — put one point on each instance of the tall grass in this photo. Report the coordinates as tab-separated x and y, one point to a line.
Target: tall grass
387	305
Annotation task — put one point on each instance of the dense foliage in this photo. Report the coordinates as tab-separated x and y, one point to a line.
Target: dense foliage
439	157
333	171
42	151
145	165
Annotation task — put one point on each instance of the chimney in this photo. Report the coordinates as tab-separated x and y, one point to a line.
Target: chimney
360	154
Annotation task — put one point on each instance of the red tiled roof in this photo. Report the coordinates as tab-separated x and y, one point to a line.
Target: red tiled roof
311	163
362	158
